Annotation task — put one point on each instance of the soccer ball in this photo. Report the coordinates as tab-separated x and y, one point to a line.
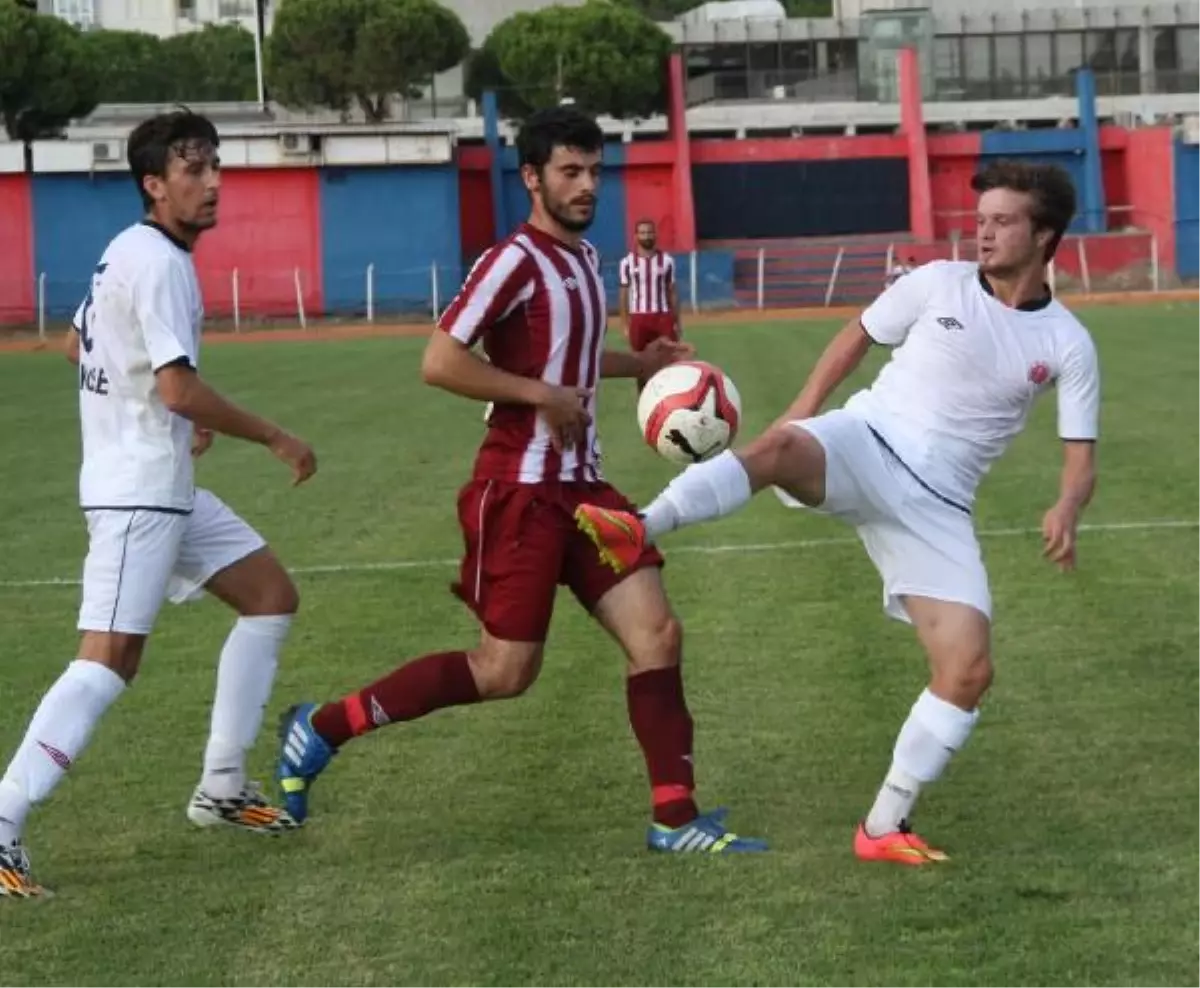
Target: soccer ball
689	411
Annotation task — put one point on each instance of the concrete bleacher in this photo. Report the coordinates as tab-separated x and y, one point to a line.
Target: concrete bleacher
797	273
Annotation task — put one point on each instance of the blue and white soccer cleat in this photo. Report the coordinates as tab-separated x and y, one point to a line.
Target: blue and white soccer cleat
303	755
705	835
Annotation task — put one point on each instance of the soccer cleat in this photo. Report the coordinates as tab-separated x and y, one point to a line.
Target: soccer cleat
705	835
248	810
303	755
15	880
619	536
901	846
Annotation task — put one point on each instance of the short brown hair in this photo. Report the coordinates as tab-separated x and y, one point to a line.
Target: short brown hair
1049	186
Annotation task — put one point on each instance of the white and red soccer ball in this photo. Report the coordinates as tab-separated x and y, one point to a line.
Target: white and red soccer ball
689	411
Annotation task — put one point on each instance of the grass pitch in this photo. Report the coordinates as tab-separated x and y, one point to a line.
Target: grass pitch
503	845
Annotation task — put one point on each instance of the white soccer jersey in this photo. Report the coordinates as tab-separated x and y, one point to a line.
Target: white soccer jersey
142	312
966	371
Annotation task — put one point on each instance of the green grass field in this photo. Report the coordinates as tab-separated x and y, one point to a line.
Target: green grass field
503	845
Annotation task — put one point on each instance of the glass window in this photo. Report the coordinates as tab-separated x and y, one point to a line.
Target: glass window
977	58
947	58
799	57
1008	57
1189	57
763	57
1127	49
1039	56
1068	52
1101	52
1166	52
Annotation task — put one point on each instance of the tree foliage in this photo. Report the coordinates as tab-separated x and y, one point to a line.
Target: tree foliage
46	78
337	52
606	56
129	66
215	64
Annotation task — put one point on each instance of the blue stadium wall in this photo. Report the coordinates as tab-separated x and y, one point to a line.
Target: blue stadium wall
400	220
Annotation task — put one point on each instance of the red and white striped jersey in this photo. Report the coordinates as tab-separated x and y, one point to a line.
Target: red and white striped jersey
538	307
649	281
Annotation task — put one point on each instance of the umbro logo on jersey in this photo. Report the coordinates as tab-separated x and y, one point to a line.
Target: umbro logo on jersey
570	284
949	322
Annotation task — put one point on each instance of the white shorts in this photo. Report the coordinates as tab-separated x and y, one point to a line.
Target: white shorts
920	544
139	558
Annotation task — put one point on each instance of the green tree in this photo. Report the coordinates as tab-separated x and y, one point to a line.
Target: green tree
606	56
130	67
46	79
215	64
335	52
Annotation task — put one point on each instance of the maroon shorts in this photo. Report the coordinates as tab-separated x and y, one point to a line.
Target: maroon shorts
651	326
522	544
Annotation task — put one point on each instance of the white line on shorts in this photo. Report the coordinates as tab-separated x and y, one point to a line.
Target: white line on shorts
702	550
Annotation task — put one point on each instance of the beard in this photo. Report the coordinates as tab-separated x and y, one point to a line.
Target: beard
559	211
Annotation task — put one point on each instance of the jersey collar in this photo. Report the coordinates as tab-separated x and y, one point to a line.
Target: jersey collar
168	234
1033	305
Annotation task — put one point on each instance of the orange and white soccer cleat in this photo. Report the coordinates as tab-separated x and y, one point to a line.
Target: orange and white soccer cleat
901	846
619	536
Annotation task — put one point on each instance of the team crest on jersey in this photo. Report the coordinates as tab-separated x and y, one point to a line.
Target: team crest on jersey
1039	372
949	322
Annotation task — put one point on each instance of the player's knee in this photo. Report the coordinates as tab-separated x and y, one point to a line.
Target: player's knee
276	596
779	456
505	674
967	678
659	646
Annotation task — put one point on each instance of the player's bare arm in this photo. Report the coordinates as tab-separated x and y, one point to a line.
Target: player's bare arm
454	367
1077	483
839	360
185	393
71	349
623	308
673	302
656	355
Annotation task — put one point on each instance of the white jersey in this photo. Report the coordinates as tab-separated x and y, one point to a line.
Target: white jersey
966	371
142	312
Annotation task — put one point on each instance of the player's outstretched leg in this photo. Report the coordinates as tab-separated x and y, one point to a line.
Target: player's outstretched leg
259	589
310	735
784	456
636	613
955	637
57	735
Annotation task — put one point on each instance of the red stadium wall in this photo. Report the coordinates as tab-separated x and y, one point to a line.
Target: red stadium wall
270	227
953	159
649	190
476	224
17	294
1149	180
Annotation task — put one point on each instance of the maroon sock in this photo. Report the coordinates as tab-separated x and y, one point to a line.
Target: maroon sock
415	689
660	719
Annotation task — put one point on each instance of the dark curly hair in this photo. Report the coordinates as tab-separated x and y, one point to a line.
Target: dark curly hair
1049	186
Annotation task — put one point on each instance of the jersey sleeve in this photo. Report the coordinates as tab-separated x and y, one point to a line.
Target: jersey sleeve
501	280
1079	392
623	272
161	304
668	269
888	319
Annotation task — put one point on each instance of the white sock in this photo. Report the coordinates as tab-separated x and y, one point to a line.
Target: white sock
244	679
59	731
702	492
934	731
